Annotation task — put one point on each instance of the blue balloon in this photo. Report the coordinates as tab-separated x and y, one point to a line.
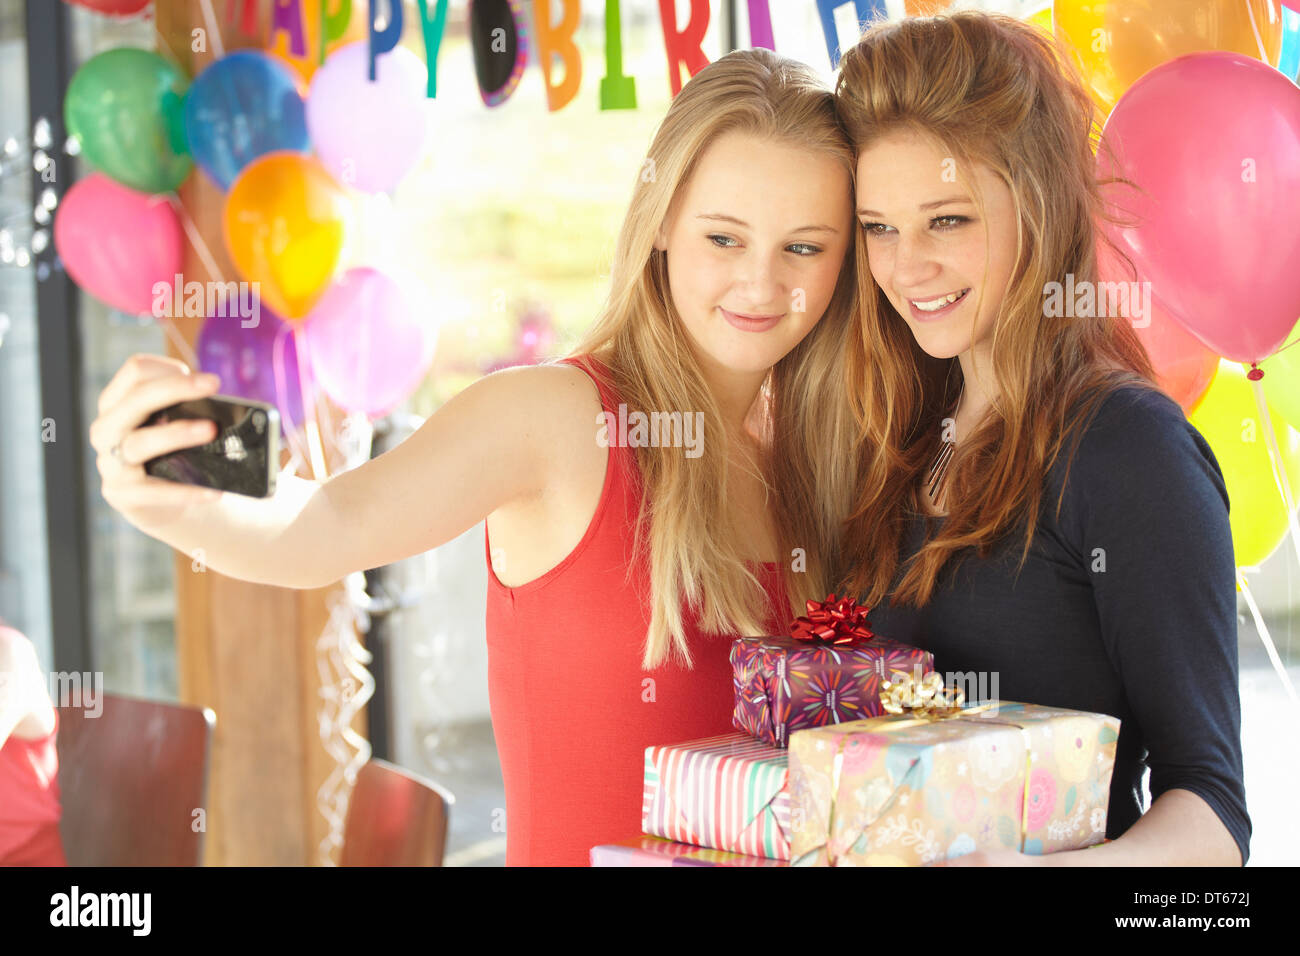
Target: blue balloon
1289	59
241	107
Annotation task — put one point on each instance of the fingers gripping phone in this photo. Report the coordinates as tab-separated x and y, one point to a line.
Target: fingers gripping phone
243	458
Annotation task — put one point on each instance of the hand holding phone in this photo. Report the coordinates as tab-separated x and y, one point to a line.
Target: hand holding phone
243	457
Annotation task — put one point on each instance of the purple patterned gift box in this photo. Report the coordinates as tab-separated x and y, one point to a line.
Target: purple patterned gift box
784	684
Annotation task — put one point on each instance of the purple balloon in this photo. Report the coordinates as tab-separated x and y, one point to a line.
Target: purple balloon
369	341
368	134
259	363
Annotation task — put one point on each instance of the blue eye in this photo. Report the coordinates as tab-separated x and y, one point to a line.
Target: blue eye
726	242
941	223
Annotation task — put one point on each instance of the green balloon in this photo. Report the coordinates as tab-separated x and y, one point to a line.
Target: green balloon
1282	380
124	106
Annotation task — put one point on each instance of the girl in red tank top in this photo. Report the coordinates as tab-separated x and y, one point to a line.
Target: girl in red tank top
729	297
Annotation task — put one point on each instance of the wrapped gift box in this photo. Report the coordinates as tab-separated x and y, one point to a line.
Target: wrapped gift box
783	684
656	851
906	790
726	792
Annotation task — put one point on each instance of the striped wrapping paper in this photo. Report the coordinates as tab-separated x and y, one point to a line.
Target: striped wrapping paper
726	792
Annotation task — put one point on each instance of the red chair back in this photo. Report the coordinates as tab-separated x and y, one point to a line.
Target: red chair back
395	818
131	781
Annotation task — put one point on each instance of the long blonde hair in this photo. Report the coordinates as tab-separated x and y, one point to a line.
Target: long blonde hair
682	528
987	89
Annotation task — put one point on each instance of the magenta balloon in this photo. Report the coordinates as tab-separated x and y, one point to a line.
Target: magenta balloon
368	341
116	243
258	363
368	134
1214	140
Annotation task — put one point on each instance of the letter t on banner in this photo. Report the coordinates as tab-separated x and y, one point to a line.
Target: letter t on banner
760	25
684	47
867	10
381	41
558	41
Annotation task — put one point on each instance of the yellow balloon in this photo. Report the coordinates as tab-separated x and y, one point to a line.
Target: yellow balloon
311	21
1042	19
284	222
1116	41
1229	419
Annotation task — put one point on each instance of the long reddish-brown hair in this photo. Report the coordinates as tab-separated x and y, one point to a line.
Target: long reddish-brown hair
987	89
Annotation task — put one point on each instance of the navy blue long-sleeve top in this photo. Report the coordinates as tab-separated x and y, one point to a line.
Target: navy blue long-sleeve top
1126	606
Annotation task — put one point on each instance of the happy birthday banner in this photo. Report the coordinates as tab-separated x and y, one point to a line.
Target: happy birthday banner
499	38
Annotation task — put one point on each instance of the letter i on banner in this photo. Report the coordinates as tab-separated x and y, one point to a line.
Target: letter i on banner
499	43
432	28
286	17
683	47
555	41
866	10
382	41
617	92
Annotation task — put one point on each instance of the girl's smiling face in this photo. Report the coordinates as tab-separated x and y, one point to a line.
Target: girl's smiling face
936	261
755	245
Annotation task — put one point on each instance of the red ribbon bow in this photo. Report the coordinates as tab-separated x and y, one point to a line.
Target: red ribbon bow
837	621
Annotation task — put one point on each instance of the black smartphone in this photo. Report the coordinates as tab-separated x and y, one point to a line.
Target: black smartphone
243	458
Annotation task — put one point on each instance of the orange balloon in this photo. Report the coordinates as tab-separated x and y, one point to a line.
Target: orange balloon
1117	41
307	65
284	227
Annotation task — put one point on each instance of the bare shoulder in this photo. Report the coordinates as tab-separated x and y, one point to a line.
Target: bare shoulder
563	409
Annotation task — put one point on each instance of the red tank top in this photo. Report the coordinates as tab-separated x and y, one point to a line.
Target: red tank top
572	710
29	801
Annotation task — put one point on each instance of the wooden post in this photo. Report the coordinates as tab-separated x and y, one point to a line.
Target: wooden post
245	650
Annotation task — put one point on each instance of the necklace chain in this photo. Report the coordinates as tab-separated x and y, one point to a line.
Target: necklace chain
939	464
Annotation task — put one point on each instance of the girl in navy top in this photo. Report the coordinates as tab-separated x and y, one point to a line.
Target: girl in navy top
1032	508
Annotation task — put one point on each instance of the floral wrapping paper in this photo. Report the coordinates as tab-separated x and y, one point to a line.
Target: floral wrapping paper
783	684
656	851
726	792
898	790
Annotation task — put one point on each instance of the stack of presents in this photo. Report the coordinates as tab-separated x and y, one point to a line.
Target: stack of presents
851	751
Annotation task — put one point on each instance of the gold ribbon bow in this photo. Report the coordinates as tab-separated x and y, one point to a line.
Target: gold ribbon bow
925	698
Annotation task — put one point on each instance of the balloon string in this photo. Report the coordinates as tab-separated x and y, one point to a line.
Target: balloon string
319	471
1250	11
1275	462
166	48
1269	646
196	240
293	432
214	32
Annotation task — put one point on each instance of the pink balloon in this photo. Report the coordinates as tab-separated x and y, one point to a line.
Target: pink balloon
368	133
116	243
1214	140
1184	367
368	340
